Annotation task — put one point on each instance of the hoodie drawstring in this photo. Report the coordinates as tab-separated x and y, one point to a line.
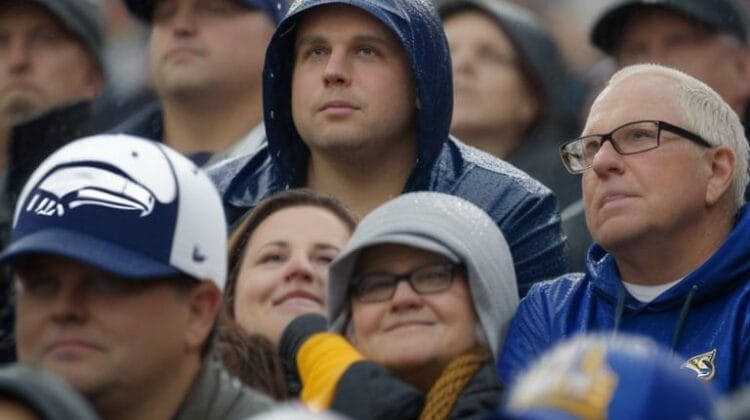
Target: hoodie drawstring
683	315
620	305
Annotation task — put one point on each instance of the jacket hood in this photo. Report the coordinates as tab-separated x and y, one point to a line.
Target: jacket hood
729	265
446	225
416	25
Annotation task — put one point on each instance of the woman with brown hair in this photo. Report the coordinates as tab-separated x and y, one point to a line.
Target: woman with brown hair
278	270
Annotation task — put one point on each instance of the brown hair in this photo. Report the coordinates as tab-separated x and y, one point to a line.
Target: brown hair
244	231
252	358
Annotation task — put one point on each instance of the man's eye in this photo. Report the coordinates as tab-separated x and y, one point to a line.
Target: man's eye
40	285
366	51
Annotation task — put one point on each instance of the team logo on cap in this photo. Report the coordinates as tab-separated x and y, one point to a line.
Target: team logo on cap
71	187
584	388
703	365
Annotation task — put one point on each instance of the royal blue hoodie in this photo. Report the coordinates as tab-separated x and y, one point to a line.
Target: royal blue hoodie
704	318
523	208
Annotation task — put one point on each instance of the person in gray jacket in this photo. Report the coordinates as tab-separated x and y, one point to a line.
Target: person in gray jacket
118	253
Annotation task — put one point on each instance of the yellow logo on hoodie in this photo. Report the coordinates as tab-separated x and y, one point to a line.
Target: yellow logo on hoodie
703	365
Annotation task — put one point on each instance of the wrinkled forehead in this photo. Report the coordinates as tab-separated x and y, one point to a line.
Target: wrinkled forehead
637	97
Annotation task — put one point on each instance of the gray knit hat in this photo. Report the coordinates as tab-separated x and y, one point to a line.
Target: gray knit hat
83	18
45	394
449	226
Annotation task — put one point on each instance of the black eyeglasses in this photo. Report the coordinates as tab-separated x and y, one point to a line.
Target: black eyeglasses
427	279
628	139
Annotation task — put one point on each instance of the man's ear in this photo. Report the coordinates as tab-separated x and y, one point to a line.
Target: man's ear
721	175
203	306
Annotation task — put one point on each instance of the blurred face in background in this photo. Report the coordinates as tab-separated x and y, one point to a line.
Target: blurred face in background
653	35
201	47
490	93
284	269
42	64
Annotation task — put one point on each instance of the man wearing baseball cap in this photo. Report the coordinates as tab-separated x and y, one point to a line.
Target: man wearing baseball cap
50	71
206	63
705	39
118	252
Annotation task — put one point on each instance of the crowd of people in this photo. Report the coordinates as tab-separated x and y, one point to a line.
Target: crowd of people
375	209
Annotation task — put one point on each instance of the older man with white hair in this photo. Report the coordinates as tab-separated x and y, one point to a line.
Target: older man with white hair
664	163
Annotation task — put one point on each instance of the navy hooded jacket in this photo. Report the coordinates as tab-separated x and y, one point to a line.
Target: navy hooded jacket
705	318
524	209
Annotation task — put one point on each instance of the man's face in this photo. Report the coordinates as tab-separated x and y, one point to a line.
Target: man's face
352	87
412	334
651	195
214	47
41	63
100	333
657	36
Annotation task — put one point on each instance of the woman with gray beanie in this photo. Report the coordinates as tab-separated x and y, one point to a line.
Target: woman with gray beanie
423	293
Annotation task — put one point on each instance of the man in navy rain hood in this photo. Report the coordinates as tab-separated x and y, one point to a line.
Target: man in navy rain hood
357	104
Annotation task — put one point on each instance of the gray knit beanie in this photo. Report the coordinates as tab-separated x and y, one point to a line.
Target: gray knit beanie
449	226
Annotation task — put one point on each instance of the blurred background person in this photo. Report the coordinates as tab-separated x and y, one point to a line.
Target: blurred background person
51	68
206	62
278	264
513	96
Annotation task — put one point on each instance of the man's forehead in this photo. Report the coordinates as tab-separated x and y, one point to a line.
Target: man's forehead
321	17
642	96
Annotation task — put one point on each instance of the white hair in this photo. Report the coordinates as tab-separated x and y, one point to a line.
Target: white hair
707	115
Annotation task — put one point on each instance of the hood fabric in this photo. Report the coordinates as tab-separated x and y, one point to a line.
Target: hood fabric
417	26
449	226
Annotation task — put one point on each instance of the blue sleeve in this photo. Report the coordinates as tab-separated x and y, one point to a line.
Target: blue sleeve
528	336
534	234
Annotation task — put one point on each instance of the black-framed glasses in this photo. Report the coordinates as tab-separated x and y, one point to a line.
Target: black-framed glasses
628	139
426	279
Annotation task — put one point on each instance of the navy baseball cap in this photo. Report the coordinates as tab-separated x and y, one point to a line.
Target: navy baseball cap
728	16
275	9
125	205
609	377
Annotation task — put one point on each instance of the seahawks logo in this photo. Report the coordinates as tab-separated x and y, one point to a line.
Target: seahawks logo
73	187
703	365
